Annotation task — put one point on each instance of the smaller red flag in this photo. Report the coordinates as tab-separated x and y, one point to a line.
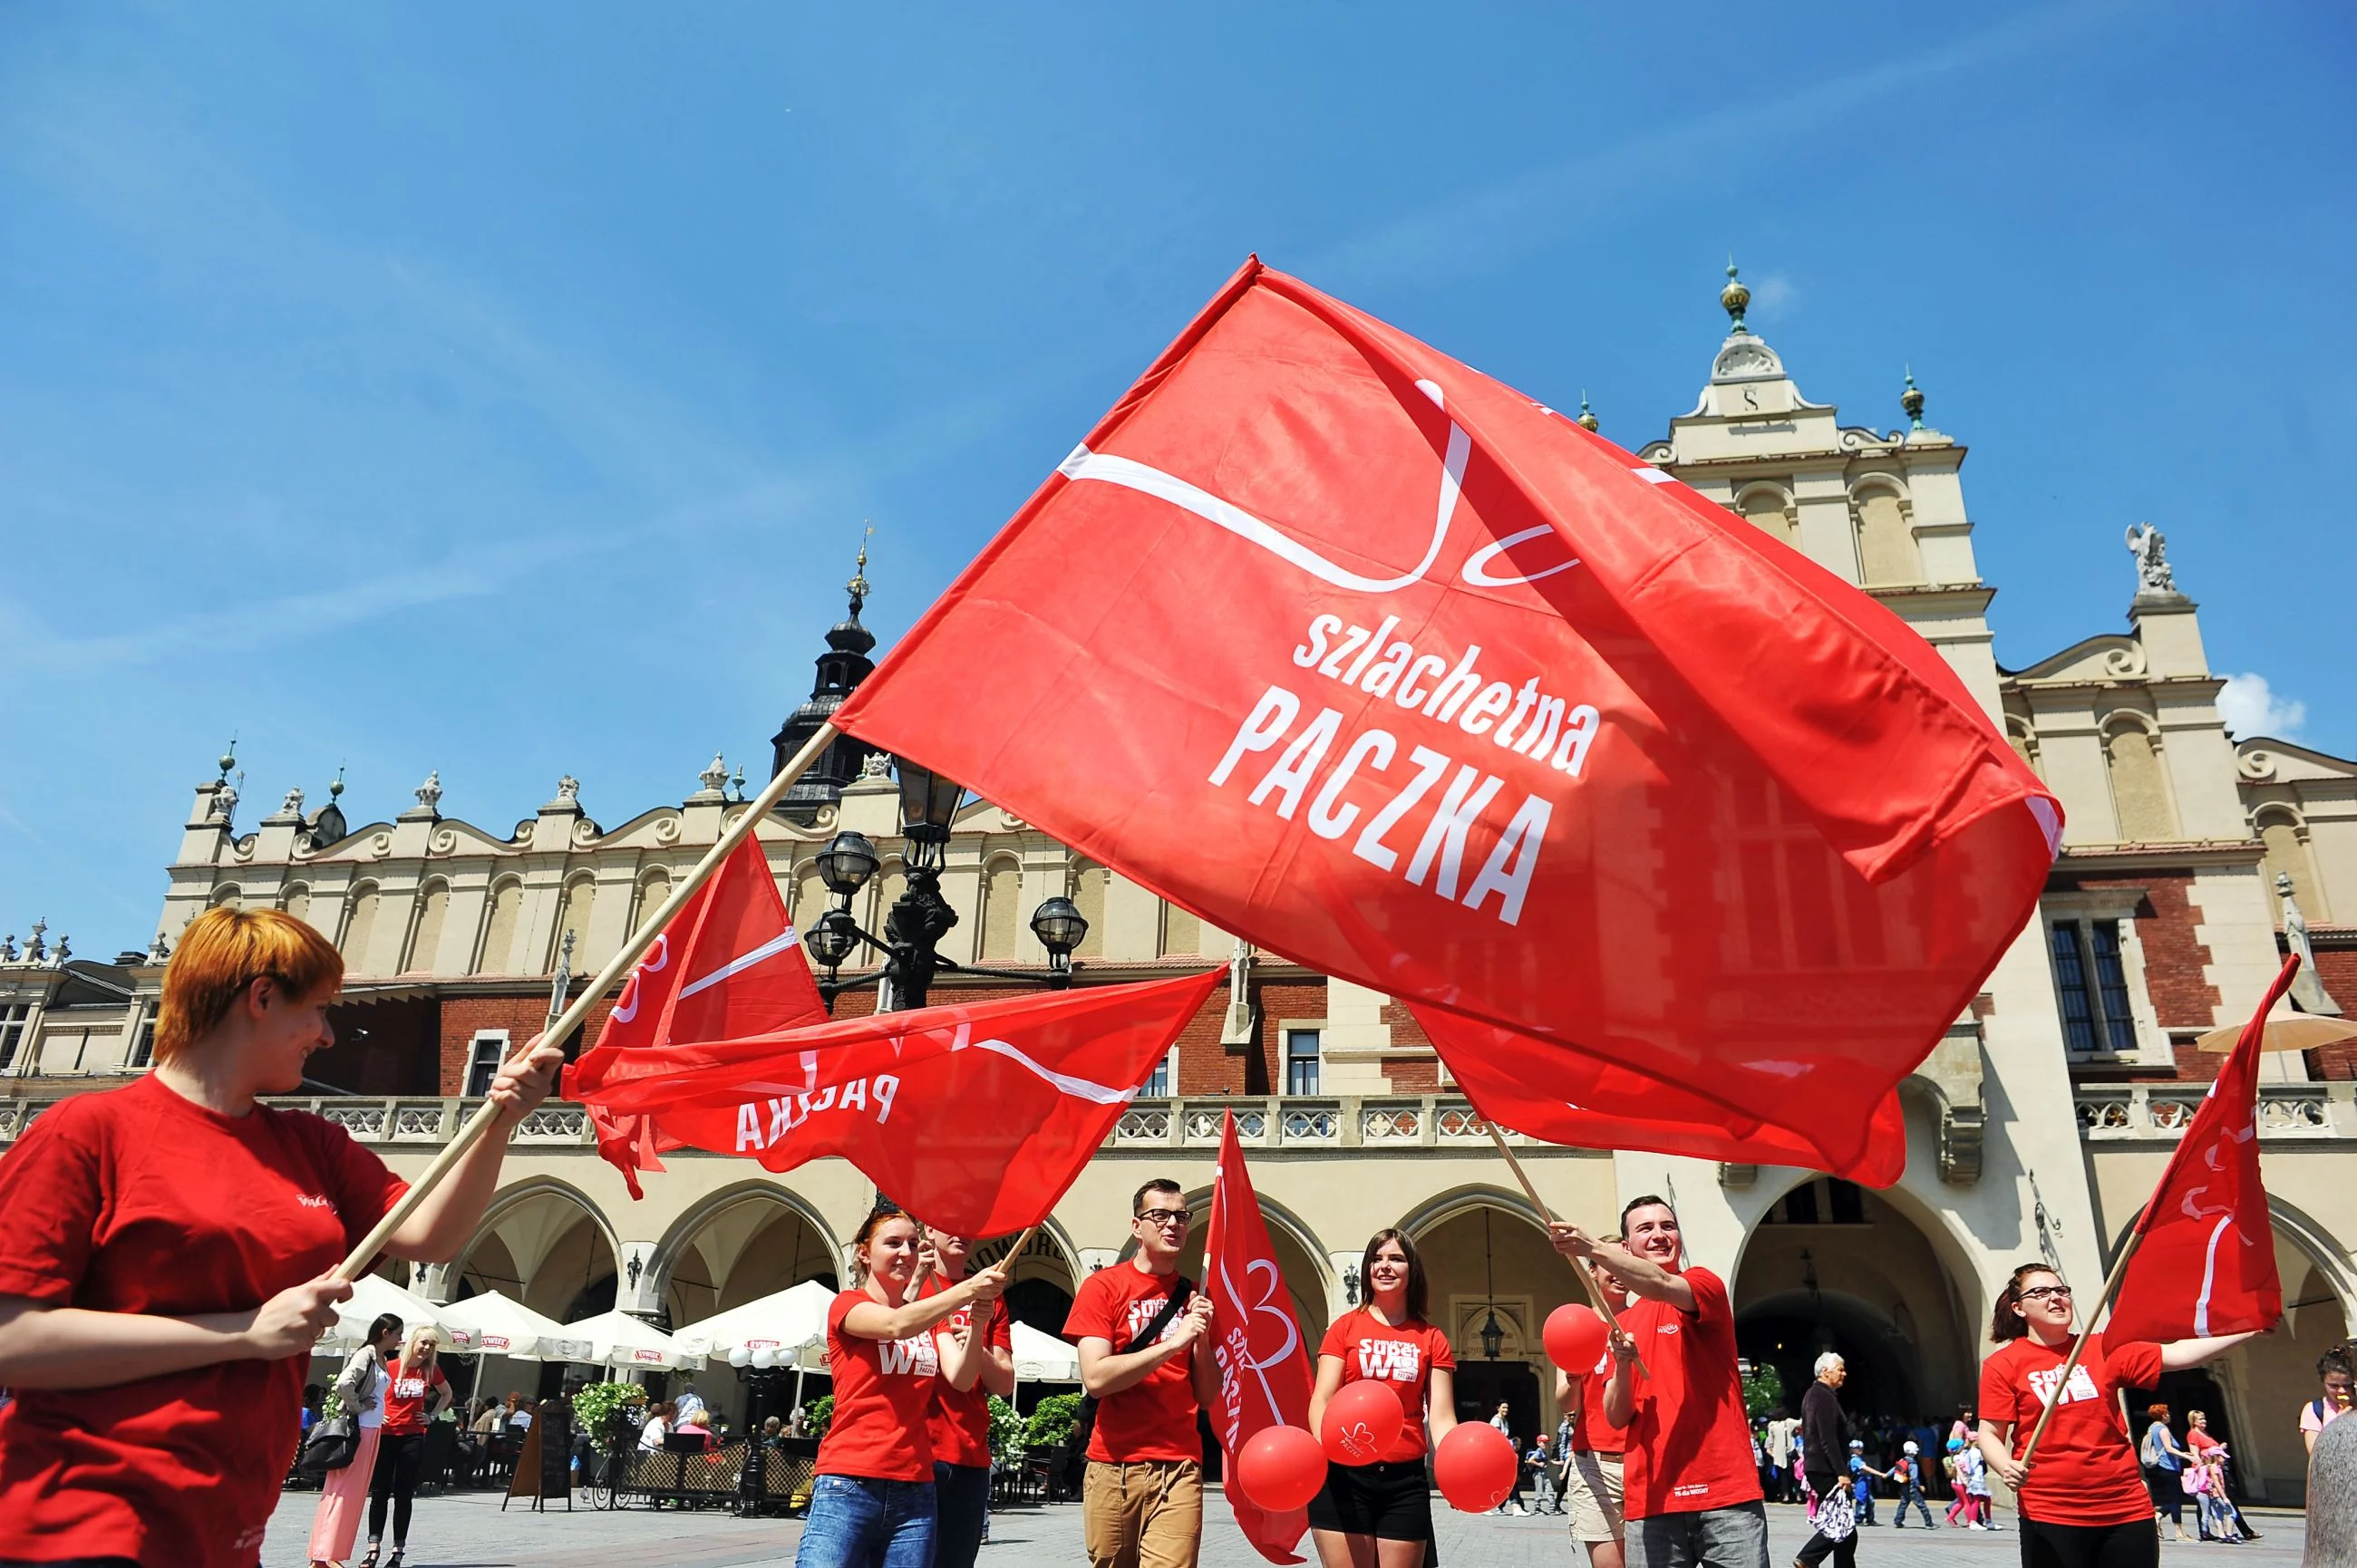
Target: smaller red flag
1264	1360
1558	1092
727	965
2206	1262
974	1117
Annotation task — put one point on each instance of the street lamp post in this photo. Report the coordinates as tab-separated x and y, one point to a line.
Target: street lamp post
919	917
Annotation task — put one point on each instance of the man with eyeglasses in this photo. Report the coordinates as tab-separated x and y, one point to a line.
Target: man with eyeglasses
1137	1324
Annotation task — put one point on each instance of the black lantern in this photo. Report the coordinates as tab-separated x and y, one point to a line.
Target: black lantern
1060	926
831	940
846	861
928	802
1493	1338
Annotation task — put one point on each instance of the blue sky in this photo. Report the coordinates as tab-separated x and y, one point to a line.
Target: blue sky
500	390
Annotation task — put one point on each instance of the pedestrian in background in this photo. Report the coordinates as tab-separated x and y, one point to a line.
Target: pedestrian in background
1826	1447
2163	1461
359	1393
2335	1371
1907	1475
416	1395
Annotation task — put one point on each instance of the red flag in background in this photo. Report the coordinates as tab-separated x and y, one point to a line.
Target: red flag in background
2207	1263
1264	1370
974	1118
1478	711
729	964
1531	1086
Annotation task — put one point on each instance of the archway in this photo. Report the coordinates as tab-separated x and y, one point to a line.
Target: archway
1833	1266
1044	1278
543	1244
740	1245
1494	1278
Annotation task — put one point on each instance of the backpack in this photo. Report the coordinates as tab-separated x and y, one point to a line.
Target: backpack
1084	1423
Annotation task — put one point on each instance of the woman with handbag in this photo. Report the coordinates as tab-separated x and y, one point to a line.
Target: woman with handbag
168	1254
343	1490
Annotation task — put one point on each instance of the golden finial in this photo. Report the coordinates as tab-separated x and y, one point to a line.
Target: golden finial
1735	299
858	583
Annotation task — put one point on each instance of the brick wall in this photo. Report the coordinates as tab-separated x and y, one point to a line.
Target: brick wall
2337	967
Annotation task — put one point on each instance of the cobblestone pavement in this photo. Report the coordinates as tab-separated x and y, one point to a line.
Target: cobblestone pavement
467	1531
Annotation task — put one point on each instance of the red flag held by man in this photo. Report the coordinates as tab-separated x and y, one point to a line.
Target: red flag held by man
974	1118
1484	713
1520	1081
2207	1261
729	964
1265	1371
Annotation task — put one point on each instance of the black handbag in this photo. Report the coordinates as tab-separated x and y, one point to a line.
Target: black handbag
330	1444
1084	1424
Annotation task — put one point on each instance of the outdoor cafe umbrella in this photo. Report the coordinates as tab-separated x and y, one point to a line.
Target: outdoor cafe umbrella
372	1297
617	1339
492	1324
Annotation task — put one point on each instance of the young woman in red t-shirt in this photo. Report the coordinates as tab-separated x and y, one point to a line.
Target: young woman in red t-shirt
873	1502
1382	1513
163	1249
2082	1496
417	1393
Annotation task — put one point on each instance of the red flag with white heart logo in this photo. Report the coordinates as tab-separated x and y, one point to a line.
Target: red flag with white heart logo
1362	656
1264	1360
973	1117
2205	1262
728	964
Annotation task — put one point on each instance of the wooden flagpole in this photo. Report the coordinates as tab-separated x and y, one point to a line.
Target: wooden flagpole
1595	1291
565	1022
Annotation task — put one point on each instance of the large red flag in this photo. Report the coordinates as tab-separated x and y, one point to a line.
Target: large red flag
1520	1081
1478	710
1264	1377
2207	1263
974	1117
736	969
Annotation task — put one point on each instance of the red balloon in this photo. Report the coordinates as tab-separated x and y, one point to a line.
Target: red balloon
1475	1467
1280	1468
1574	1338
1362	1420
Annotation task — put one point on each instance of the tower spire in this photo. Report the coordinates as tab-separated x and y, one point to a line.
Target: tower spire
1736	300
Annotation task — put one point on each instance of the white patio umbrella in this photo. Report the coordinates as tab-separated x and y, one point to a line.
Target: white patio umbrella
771	1331
373	1295
491	1324
1042	1357
617	1339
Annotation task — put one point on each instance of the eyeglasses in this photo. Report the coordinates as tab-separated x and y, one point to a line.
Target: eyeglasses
1178	1217
2042	1291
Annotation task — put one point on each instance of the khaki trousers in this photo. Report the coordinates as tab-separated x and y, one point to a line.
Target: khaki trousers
1147	1513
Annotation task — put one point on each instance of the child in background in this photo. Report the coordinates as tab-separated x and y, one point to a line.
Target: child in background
1952	1463
1908	1475
1862	1476
1975	1470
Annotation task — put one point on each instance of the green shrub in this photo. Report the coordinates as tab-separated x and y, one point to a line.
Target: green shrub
1005	1429
610	1413
817	1413
1051	1422
1762	1390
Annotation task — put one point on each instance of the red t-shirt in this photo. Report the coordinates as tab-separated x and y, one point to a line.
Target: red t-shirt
1154	1419
960	1420
2085	1470
883	1388
1591	1431
1403	1357
136	1201
408	1396
1688	1446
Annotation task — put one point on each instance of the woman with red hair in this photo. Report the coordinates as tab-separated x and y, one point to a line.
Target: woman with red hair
164	1254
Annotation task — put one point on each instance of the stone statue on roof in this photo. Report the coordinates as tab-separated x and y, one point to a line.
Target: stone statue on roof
2150	547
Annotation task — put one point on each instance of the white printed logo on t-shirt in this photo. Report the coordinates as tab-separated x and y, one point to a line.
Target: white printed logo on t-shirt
2083	1387
1394	1360
914	1357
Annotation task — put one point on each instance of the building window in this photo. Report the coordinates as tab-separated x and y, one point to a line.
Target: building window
12	1033
142	1045
1164	1074
1301	1061
483	1063
2092	984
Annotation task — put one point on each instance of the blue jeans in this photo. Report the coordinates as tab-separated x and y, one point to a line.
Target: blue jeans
854	1522
962	1501
1914	1498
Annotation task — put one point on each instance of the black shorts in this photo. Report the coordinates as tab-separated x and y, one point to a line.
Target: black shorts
1389	1500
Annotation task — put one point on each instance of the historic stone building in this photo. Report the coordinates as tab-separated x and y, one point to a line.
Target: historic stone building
2191	860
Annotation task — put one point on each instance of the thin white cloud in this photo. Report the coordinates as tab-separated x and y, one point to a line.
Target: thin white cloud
2250	707
1773	297
1512	215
